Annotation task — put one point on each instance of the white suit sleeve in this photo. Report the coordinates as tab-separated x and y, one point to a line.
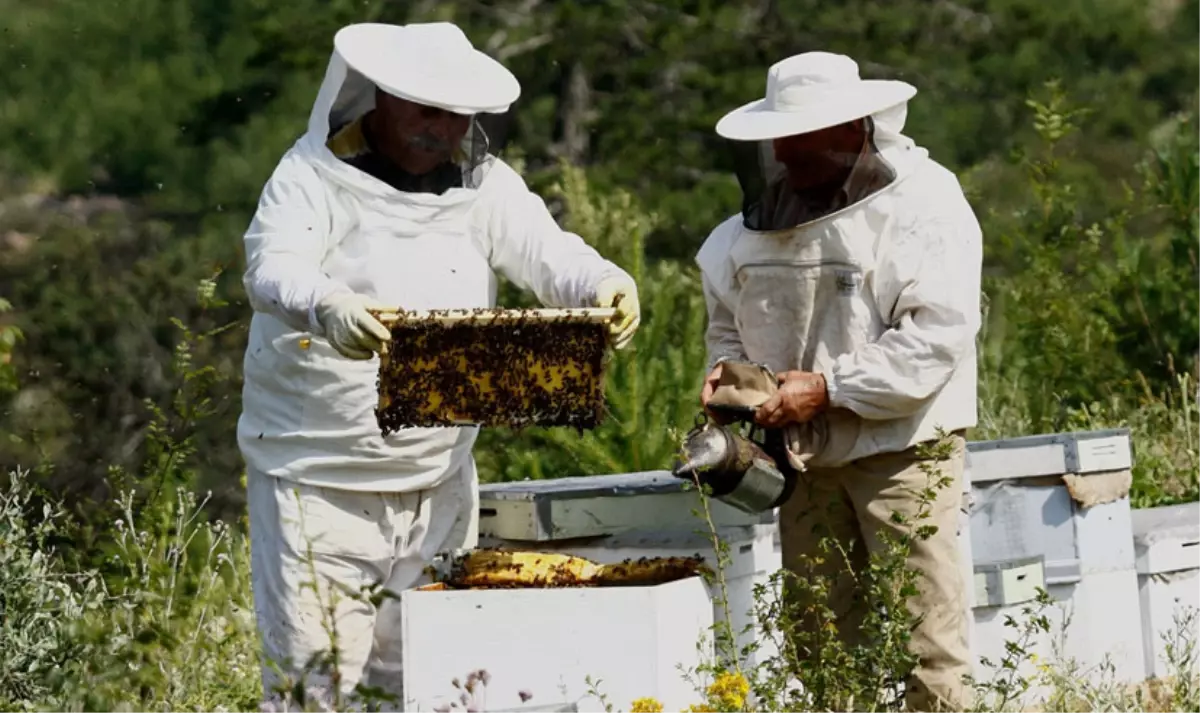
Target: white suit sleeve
721	336
285	245
927	286
529	248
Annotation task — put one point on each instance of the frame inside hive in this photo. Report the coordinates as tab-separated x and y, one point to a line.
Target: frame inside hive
491	367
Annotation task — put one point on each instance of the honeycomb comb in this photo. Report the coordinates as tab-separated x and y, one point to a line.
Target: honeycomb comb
492	367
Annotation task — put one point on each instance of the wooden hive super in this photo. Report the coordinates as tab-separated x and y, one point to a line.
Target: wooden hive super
490	367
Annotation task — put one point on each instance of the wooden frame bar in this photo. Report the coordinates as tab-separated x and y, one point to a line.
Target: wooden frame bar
497	316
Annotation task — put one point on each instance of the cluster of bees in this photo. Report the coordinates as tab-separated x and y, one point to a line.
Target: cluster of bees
492	372
499	569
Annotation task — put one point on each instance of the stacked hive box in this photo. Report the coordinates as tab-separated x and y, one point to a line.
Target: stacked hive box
1167	549
1053	511
611	518
1041	512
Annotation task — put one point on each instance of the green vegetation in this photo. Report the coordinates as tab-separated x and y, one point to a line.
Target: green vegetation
139	135
136	136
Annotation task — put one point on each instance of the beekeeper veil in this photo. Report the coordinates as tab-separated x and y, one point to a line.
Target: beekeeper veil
807	93
433	64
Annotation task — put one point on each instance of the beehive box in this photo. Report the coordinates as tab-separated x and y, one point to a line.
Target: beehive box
1166	542
752	559
1053	511
493	367
540	643
609	518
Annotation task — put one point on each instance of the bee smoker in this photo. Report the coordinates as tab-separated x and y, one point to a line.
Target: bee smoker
738	470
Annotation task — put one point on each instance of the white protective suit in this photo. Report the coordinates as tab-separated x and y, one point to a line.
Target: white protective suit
323	225
376	508
881	297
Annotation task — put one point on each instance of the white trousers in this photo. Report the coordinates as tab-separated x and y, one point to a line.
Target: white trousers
356	539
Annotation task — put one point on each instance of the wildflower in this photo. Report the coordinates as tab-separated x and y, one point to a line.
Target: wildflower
1036	660
701	708
729	691
646	705
206	290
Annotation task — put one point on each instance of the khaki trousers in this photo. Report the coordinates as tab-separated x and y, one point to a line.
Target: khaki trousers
854	504
356	539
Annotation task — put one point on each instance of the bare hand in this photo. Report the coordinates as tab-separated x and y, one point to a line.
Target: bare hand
801	396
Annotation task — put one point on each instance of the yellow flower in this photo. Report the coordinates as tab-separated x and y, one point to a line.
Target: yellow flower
646	705
729	690
701	708
1037	661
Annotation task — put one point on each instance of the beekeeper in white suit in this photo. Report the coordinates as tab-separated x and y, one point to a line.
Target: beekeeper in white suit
853	272
391	199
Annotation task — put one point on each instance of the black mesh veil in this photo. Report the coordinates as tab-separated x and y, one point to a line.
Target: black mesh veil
768	200
486	136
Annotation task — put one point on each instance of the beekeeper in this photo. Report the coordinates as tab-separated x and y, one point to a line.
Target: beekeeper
853	272
393	198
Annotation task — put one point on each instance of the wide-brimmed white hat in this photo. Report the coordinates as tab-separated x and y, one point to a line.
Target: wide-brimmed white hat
428	63
808	92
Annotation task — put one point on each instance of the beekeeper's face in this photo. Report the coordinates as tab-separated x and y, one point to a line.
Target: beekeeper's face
427	134
820	156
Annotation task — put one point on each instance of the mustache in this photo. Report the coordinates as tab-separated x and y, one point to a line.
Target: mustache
429	143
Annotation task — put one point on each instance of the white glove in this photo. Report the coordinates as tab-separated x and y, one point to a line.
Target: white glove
350	329
629	313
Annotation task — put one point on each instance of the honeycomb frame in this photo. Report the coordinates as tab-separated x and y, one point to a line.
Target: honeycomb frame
493	367
503	568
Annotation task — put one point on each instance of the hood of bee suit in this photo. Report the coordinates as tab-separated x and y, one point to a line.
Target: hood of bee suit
433	64
806	93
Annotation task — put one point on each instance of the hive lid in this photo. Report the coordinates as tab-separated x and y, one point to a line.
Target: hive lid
1167	539
1079	452
597	505
585	486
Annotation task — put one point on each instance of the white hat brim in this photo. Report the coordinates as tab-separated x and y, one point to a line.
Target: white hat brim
455	77
756	121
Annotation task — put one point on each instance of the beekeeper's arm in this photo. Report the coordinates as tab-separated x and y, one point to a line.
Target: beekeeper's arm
927	284
722	340
285	245
721	337
716	279
528	247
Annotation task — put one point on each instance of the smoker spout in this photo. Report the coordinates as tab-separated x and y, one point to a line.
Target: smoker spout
705	449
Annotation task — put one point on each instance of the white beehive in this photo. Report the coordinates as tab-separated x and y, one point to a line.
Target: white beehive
1053	511
1167	547
633	641
610	518
1043	511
